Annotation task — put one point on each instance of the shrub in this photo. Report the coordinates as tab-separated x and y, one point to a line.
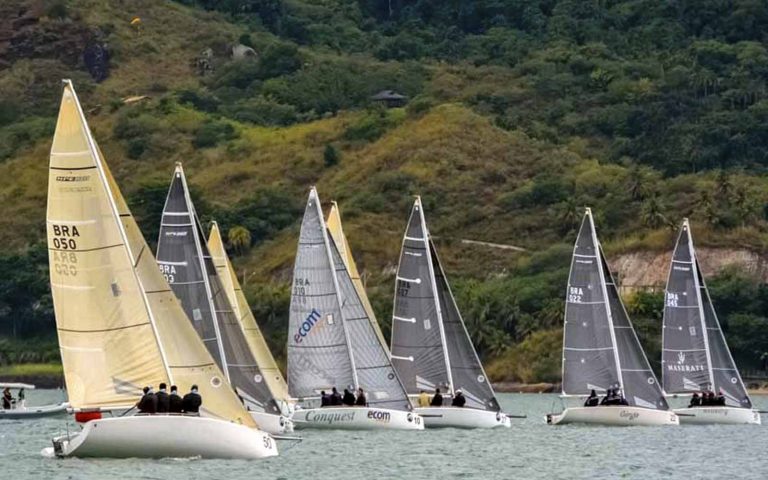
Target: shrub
213	132
331	156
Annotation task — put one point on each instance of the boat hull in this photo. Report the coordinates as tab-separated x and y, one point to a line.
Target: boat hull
274	424
454	417
619	415
719	415
34	412
357	418
161	436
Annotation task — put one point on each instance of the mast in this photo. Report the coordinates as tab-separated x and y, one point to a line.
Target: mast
121	228
206	279
313	193
599	255
435	293
700	303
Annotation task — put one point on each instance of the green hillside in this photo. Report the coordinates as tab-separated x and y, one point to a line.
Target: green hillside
520	113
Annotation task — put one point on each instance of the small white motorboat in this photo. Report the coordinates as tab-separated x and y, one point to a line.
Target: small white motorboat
20	409
357	418
619	415
177	436
464	417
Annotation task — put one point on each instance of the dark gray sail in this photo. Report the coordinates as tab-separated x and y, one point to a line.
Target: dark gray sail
467	372
318	348
590	360
640	386
375	373
695	356
182	254
417	337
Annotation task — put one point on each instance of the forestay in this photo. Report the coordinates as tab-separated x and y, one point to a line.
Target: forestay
113	308
253	335
695	356
318	350
183	257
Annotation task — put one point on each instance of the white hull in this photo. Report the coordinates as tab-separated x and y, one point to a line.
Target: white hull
34	412
274	424
357	418
454	417
614	415
160	436
721	415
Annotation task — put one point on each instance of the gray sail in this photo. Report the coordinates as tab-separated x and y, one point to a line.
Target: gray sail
375	373
590	360
640	386
466	370
417	344
318	352
695	356
195	282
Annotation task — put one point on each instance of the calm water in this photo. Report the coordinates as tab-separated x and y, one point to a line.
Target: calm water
530	449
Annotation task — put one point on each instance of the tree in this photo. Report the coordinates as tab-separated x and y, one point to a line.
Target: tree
331	156
239	239
651	214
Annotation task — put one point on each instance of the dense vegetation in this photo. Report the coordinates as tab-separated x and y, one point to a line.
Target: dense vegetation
520	113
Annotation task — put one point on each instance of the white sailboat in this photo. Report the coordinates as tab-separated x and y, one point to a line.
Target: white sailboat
120	326
600	348
19	408
331	341
186	263
431	347
695	356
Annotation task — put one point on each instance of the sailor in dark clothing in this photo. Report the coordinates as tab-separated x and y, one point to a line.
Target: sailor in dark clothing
348	398
192	401
593	400
163	400
335	398
711	400
437	400
175	403
7	399
325	399
148	402
458	399
720	400
695	401
361	401
608	398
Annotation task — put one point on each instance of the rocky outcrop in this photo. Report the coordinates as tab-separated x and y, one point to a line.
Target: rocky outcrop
649	270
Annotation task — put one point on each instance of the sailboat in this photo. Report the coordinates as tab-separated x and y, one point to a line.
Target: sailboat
331	342
184	260
430	344
600	348
695	356
119	325
256	341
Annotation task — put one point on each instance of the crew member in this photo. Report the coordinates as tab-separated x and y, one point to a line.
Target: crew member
695	401
7	399
437	400
163	400
192	401
423	399
348	398
608	398
361	401
175	403
21	397
720	400
325	399
593	400
335	398
148	402
458	399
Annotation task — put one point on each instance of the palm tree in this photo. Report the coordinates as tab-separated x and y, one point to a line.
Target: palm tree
239	239
651	214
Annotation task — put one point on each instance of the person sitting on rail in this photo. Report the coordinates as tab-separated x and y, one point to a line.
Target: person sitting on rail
325	399
361	401
593	400
192	401
348	399
335	398
459	400
437	400
175	402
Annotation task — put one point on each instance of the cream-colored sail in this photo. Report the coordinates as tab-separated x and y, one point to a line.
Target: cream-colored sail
253	335
337	233
120	327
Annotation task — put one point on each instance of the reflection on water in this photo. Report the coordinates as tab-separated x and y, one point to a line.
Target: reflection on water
530	449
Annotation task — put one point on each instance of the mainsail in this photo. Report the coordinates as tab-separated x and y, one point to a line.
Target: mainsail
431	347
184	260
331	340
337	234
242	310
119	325
600	348
695	356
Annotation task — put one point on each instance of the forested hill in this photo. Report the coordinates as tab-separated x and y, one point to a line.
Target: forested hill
519	113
